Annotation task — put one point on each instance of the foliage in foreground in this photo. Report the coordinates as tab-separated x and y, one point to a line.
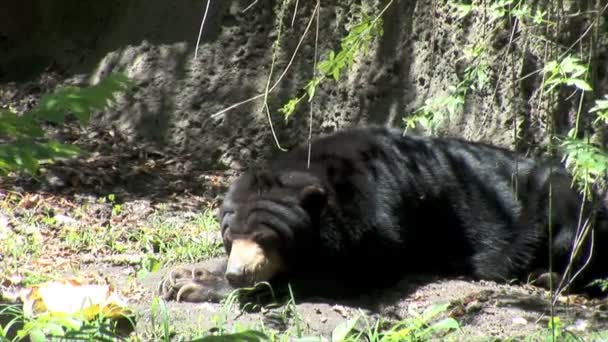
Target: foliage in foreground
419	327
23	142
42	327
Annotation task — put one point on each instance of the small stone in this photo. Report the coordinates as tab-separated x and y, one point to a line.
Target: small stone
341	310
519	321
64	220
580	325
474	306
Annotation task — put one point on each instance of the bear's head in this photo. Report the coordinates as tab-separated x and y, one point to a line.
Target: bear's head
266	219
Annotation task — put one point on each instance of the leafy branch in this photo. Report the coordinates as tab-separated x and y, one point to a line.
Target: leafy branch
333	66
569	71
601	108
24	145
435	109
587	163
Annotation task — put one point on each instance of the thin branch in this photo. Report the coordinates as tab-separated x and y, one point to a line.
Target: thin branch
314	70
200	31
500	73
293	56
295	11
593	23
276	83
249	6
275	51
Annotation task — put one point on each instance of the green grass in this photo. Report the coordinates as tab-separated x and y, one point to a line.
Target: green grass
165	237
430	324
181	243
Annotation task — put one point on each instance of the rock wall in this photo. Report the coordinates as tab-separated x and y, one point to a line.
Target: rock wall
421	55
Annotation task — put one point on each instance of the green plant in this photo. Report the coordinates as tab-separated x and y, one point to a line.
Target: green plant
228	304
57	325
243	336
435	110
149	264
438	108
358	40
601	110
12	317
159	321
420	327
569	71
116	208
554	332
24	145
587	163
601	283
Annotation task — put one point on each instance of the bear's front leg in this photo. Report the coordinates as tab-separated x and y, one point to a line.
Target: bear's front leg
196	283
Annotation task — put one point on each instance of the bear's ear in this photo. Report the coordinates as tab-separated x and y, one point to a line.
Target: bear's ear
313	198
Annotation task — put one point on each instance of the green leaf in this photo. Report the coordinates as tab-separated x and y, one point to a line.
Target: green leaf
80	101
245	336
309	339
601	108
344	329
356	41
446	324
25	154
580	84
37	335
69	323
586	163
22	151
13	125
54	329
289	108
600	105
433	311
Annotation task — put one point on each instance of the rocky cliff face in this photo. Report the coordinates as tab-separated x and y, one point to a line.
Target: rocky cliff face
434	52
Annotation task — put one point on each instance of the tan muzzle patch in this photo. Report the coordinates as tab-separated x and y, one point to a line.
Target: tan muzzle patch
250	263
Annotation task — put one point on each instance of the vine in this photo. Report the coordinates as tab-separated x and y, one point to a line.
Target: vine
358	40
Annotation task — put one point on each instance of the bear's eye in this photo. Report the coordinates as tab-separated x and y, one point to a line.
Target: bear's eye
226	214
227	235
226	219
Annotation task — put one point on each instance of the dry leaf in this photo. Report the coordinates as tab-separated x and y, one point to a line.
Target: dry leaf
71	297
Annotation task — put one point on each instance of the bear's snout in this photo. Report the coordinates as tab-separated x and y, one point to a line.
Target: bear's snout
237	277
249	263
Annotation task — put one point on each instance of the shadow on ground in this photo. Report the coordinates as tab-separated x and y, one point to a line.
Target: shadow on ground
484	309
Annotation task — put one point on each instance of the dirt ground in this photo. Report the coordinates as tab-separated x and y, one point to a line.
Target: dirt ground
157	151
485	310
150	186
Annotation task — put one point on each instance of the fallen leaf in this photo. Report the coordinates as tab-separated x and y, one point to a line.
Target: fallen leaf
71	297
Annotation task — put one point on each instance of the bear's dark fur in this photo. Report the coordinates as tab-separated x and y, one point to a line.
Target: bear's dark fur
375	205
381	204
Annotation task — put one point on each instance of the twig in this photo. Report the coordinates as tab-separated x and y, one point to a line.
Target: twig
593	23
249	6
200	31
314	70
295	11
276	83
272	64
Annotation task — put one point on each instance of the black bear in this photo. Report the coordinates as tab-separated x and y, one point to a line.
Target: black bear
373	205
